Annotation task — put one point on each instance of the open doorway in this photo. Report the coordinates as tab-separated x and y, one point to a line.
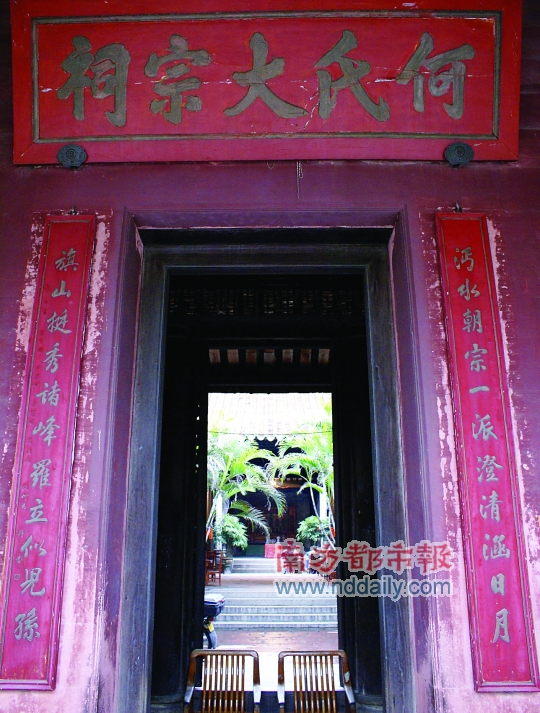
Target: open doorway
271	499
168	255
270	471
269	334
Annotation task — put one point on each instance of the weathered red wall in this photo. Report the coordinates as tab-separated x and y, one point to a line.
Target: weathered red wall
507	193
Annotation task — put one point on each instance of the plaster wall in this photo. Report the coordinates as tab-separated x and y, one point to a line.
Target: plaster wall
507	193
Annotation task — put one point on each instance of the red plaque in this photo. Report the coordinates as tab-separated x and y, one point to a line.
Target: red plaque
45	443
502	638
317	80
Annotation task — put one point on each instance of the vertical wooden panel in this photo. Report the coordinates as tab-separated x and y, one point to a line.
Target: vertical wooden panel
37	532
502	639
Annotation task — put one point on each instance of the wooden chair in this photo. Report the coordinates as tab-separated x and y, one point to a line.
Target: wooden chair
213	566
223	680
314	681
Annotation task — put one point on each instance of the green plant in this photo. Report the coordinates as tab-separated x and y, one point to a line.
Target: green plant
232	531
312	529
232	473
309	454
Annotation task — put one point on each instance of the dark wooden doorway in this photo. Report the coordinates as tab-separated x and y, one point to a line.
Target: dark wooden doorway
314	252
259	333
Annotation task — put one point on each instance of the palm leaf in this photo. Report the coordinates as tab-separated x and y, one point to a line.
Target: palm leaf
253	515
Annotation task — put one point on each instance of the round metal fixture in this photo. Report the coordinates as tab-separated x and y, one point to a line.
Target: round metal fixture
459	154
71	156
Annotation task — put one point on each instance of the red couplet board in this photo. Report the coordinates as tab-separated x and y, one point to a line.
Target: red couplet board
288	80
37	529
502	638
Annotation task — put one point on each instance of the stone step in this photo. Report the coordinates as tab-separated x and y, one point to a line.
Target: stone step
295	604
304	614
272	593
275	613
280	609
293	601
291	606
255	620
262	567
260	607
275	625
252	609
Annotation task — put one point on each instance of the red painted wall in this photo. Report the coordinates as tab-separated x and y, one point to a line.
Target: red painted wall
507	193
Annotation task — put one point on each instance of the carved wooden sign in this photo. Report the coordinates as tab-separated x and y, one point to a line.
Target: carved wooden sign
316	80
37	529
502	639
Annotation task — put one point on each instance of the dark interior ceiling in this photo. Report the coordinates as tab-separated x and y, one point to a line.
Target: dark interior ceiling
271	330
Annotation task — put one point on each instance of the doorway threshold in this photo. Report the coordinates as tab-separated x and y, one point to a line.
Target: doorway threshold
269	704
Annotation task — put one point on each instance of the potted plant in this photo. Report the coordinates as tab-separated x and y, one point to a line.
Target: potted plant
234	534
312	530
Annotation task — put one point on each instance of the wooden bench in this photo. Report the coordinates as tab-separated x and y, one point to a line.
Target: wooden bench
223	680
314	681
